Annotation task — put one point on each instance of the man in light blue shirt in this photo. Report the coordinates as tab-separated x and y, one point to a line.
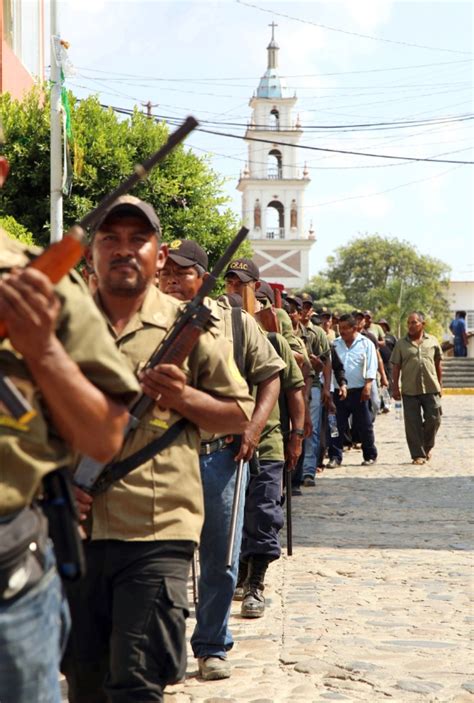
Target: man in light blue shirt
359	359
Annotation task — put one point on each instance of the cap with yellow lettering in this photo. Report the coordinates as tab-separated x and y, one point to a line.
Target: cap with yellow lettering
245	269
186	252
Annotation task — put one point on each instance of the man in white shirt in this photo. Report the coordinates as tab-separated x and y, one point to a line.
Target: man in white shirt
359	359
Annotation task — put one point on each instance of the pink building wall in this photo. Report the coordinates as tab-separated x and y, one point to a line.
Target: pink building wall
14	78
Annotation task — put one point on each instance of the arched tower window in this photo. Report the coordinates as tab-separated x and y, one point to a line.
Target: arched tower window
274	119
275	220
275	164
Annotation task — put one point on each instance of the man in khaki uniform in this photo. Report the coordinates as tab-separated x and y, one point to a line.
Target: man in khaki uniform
59	355
280	441
182	277
318	348
418	357
129	615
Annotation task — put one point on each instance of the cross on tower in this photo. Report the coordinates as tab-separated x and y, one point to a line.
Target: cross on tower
273	25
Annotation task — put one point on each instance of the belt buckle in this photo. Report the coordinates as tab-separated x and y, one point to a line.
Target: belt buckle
208	449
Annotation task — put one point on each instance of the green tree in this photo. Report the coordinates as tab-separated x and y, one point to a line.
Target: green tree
327	294
15	230
391	278
185	191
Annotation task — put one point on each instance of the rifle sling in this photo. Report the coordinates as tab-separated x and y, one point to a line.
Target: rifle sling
116	471
284	414
237	339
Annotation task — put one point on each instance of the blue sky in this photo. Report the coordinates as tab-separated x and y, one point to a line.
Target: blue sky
413	62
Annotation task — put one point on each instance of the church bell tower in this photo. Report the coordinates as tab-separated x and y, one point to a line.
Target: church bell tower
272	184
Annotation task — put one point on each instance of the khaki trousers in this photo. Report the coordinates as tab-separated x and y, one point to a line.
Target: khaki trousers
422	420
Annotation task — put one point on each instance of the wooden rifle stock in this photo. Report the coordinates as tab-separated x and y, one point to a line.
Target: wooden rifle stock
249	301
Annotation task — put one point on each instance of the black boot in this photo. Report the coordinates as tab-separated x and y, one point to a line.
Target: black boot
241	581
253	604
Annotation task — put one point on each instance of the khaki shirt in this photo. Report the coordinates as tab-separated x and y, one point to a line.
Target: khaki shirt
271	447
417	362
377	331
316	343
28	452
162	499
260	359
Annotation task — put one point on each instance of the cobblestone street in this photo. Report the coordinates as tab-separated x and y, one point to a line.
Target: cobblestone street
374	604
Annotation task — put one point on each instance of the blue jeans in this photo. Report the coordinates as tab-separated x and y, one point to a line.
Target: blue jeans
211	636
312	444
33	633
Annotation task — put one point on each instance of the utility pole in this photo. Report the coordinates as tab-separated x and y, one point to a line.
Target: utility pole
56	166
148	106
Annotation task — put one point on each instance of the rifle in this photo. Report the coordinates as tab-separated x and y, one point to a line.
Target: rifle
173	349
235	514
289	521
61	256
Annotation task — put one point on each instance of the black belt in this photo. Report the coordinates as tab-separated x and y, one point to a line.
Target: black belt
207	448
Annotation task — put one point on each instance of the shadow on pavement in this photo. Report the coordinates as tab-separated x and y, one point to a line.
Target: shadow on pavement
407	512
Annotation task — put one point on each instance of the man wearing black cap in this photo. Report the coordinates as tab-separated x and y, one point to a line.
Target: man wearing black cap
186	265
241	272
319	354
182	278
57	353
128	635
374	328
326	323
306	309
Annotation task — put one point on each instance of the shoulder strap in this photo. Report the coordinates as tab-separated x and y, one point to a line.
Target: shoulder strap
284	415
119	469
237	339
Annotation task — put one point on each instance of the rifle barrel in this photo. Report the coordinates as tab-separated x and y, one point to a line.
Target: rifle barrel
235	514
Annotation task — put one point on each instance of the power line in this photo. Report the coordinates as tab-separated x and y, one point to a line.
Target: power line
315	148
336	151
301	75
353	34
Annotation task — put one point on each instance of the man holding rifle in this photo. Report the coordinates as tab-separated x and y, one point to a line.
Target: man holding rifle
281	441
128	634
263	518
182	277
60	356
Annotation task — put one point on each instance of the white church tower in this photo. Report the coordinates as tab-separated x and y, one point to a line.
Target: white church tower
272	185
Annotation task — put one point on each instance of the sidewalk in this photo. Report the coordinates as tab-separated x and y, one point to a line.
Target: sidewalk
374	603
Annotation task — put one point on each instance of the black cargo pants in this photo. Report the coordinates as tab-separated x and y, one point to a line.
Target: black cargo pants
128	621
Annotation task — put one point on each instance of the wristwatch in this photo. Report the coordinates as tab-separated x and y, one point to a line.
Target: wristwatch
300	433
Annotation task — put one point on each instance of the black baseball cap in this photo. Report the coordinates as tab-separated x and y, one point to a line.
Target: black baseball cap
187	252
295	300
383	321
129	205
245	269
357	313
265	292
324	312
306	298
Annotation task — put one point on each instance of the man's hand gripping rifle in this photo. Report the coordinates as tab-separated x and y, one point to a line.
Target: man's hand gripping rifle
94	477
